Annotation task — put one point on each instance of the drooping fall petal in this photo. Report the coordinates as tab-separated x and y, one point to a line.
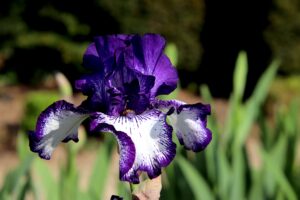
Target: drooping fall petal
58	123
151	137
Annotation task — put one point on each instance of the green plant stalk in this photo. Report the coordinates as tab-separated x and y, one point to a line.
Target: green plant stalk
131	188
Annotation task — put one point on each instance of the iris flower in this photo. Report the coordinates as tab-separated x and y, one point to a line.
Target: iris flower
128	72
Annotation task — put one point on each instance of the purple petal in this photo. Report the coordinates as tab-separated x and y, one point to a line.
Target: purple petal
93	86
91	58
59	122
132	85
145	55
166	77
129	70
99	56
189	122
150	136
122	87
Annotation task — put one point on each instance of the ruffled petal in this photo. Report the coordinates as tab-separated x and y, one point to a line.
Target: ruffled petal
99	55
59	122
122	88
166	77
151	138
91	59
145	54
189	123
93	85
132	85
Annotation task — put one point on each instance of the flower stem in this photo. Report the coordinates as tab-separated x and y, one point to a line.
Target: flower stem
131	187
133	197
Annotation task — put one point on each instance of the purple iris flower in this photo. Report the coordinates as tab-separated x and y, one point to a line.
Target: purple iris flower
128	72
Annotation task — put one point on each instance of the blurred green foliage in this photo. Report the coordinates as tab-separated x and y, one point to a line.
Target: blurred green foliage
238	164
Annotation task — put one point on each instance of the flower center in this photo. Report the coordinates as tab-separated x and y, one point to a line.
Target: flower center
128	112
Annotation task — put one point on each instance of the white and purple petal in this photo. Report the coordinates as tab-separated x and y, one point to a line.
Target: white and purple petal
189	122
151	146
58	123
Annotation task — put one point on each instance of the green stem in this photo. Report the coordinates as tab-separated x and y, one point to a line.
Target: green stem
131	191
131	187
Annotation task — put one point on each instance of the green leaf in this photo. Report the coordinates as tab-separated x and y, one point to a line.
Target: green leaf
292	130
240	74
210	152
44	184
205	93
172	52
238	176
14	181
195	180
278	153
169	182
22	145
99	174
256	188
254	104
232	121
264	83
279	176
124	191
224	174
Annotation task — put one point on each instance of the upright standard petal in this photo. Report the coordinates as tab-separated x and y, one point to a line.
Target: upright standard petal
145	54
189	122
58	123
99	55
151	137
91	58
131	84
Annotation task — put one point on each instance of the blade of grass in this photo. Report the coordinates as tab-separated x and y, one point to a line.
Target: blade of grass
240	74
44	182
99	174
254	104
256	191
13	181
279	176
195	180
210	153
238	176
224	174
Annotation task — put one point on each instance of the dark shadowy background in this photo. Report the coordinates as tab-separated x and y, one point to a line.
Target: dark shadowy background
39	37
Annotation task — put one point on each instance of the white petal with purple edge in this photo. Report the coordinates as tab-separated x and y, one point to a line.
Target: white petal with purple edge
151	137
189	123
58	123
